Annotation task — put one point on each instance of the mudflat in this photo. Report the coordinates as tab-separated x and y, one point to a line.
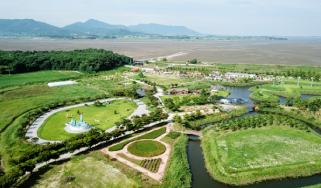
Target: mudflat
295	51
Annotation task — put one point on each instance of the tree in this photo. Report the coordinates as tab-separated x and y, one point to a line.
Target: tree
288	102
194	61
141	75
164	59
177	119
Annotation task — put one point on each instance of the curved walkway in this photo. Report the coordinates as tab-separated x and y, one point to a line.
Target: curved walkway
165	156
33	129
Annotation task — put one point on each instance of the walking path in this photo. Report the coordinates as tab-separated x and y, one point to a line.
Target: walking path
159	174
33	129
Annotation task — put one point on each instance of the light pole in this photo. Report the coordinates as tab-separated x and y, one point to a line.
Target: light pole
311	81
282	80
274	81
299	80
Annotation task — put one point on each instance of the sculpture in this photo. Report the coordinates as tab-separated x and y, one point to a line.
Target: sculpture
77	126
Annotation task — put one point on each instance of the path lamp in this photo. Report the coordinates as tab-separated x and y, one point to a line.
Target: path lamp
282	80
299	80
311	81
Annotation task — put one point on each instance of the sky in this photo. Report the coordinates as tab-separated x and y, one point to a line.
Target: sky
219	17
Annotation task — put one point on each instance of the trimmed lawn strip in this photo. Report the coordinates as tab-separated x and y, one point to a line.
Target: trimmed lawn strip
146	148
177	173
248	156
135	161
151	135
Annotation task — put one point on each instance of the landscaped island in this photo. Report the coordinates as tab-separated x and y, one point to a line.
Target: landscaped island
258	148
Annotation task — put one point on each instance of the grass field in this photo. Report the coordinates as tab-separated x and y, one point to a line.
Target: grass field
53	128
89	170
288	90
148	103
146	148
15	102
249	156
40	76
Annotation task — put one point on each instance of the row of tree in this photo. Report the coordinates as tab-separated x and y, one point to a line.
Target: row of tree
259	121
88	60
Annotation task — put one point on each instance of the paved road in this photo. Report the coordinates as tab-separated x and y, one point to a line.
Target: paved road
33	129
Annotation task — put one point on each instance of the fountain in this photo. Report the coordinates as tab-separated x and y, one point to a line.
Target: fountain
77	126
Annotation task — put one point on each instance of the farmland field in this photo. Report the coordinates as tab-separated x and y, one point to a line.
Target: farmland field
53	128
40	76
244	157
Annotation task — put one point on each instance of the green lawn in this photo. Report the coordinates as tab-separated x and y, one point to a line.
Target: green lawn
40	76
53	128
149	105
288	90
15	102
146	148
264	96
247	156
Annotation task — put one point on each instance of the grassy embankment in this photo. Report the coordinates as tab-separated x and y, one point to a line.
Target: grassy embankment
40	76
177	172
291	91
53	128
262	96
94	169
271	152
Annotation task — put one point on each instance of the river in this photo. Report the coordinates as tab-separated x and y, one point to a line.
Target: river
201	179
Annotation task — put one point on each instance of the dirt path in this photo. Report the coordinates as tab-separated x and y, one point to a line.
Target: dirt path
165	156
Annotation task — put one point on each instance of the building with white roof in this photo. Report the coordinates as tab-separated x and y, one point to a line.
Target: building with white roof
239	75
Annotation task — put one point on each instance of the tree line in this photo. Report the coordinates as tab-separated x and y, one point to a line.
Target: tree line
88	60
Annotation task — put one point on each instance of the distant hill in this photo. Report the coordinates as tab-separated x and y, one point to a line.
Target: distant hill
162	29
93	27
30	27
90	27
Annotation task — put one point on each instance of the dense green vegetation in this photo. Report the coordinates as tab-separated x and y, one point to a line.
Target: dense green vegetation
146	148
151	164
151	135
89	60
195	120
40	76
53	128
242	151
177	173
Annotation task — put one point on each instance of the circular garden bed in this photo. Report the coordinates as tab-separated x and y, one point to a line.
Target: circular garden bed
146	148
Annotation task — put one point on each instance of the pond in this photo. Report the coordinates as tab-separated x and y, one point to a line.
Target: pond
141	92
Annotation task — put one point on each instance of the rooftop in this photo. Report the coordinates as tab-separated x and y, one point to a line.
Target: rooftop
178	89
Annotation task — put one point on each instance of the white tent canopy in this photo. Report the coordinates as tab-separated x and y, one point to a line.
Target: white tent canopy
53	84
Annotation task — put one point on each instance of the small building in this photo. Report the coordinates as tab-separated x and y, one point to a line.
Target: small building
177	91
213	91
196	92
139	62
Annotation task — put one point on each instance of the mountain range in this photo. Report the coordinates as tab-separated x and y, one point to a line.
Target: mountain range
90	27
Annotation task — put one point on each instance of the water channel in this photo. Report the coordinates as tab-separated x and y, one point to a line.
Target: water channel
201	179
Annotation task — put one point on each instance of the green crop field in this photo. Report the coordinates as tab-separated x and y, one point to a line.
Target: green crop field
272	152
53	128
40	76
